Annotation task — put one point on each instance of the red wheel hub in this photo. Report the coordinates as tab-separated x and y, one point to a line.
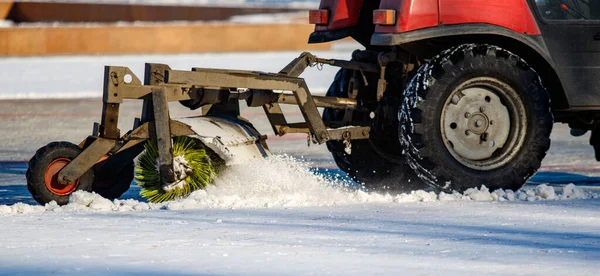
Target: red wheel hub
51	178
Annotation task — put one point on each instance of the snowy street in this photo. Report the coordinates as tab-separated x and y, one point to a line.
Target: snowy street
275	216
434	238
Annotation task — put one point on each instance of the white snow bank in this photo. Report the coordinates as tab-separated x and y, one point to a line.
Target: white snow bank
282	181
82	76
6	23
270	18
212	3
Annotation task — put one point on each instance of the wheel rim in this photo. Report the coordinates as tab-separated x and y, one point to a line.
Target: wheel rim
483	123
51	178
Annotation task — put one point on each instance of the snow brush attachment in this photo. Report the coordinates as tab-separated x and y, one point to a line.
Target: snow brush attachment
195	167
197	159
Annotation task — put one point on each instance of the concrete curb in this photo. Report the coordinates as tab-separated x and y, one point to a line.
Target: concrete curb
155	38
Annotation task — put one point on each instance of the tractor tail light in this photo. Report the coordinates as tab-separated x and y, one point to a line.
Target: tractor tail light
384	17
319	17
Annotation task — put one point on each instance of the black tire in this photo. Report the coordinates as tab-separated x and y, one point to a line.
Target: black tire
110	184
435	89
368	162
40	162
337	89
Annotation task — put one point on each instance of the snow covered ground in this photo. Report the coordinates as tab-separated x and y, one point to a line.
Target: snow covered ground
276	216
283	220
81	76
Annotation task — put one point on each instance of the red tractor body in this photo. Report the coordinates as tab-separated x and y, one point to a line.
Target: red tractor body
342	14
553	46
511	14
557	39
419	14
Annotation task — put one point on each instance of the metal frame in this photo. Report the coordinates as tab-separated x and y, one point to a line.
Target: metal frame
163	85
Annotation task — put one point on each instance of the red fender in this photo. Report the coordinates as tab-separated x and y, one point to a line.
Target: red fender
418	14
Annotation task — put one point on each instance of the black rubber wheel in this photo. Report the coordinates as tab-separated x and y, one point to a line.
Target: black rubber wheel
43	170
337	89
475	115
368	162
110	184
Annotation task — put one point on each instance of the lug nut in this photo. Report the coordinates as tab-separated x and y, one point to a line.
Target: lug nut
467	132
482	109
467	115
455	99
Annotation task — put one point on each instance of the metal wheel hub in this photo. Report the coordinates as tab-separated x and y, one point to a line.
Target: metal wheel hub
476	123
51	178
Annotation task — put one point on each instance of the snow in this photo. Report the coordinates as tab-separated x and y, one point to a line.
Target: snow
261	18
82	76
545	191
420	237
276	185
276	216
272	18
285	219
6	23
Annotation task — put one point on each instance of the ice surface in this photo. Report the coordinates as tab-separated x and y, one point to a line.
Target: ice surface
285	182
276	217
363	235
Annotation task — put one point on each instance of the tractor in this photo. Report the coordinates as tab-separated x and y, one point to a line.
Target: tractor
468	90
447	94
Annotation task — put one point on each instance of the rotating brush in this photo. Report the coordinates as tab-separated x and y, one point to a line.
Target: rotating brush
190	157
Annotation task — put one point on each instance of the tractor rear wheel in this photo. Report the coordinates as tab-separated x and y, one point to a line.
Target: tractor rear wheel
369	162
42	174
475	115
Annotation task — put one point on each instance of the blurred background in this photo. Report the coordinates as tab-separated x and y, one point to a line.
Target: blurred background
52	56
52	49
150	26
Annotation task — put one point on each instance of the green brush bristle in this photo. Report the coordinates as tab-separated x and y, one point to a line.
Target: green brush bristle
148	178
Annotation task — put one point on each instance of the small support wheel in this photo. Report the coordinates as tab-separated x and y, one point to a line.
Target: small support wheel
42	174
